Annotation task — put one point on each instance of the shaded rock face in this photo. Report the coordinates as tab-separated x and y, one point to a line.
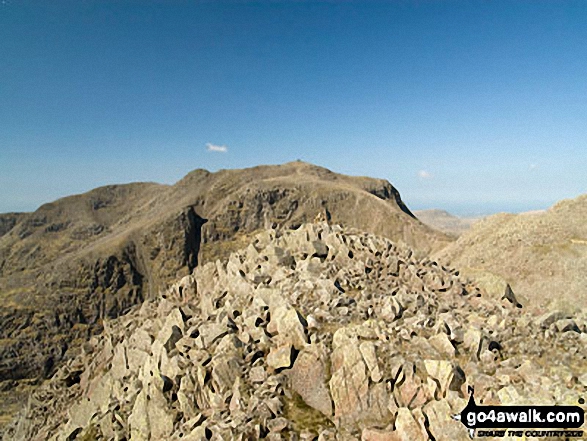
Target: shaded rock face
8	221
363	341
100	286
78	260
117	285
388	192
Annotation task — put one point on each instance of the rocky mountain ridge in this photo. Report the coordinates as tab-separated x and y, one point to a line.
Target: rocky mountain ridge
319	332
85	258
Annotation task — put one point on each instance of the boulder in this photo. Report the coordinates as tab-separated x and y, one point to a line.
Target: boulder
349	384
308	379
407	428
281	357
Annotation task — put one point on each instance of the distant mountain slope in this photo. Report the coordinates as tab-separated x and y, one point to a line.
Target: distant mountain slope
85	257
542	255
8	221
444	221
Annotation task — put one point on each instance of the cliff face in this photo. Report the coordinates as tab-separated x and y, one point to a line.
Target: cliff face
76	261
8	221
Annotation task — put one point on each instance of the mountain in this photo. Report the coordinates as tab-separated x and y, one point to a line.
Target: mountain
8	221
81	259
444	221
542	255
318	332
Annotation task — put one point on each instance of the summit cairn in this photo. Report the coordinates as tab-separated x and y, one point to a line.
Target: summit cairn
314	333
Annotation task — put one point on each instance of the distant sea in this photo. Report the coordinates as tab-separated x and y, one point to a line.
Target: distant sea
475	209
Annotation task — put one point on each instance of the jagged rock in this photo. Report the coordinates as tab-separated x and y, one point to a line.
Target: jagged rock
281	357
119	363
172	329
230	355
135	359
509	396
320	249
349	384
567	325
225	368
550	317
442	344
289	325
472	341
408	429
488	359
258	374
186	403
138	420
440	371
140	340
80	415
277	424
211	332
368	352
379	435
308	379
442	426
160	418
410	391
511	297
391	309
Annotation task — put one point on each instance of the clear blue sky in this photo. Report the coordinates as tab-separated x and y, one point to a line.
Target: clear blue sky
476	106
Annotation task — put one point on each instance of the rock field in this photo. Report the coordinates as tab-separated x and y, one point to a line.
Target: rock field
93	256
318	333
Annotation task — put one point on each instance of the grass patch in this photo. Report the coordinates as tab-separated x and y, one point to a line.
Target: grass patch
221	249
304	417
90	434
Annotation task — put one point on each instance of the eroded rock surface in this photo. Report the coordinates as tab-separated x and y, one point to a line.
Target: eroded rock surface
315	333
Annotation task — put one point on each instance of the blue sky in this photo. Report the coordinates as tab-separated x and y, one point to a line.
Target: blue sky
474	107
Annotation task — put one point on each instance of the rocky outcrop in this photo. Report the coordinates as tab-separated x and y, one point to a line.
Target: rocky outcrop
314	333
39	333
8	221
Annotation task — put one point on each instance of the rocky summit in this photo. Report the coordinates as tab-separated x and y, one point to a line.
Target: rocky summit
318	332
